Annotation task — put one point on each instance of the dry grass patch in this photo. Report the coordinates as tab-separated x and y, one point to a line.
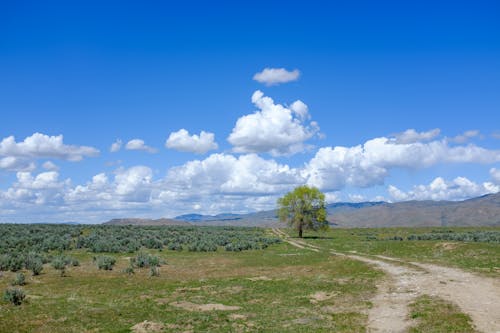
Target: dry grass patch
147	327
204	307
321	296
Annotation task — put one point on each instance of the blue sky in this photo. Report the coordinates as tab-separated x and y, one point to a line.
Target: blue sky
97	72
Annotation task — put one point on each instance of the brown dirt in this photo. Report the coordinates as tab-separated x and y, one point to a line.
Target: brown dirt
320	296
260	278
236	316
147	327
447	246
204	307
476	296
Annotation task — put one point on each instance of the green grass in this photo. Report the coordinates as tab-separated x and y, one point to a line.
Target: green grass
434	315
273	287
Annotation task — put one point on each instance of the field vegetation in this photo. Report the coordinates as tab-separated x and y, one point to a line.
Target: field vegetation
269	286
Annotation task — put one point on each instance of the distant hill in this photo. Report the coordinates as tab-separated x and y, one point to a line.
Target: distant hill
480	211
258	219
138	221
199	217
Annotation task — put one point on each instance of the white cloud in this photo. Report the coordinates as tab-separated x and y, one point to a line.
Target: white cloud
200	144
274	128
130	187
116	146
412	136
43	146
42	189
369	164
12	163
274	76
227	174
459	188
49	165
465	136
241	183
495	175
138	144
133	183
356	198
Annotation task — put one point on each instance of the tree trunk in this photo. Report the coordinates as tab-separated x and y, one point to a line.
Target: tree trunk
300	232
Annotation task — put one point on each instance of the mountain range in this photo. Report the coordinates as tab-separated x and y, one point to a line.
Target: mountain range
480	211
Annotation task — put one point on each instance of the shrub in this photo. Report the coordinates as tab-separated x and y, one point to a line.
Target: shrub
15	296
105	262
36	267
129	270
144	259
34	262
59	263
19	280
154	271
4	262
175	247
16	262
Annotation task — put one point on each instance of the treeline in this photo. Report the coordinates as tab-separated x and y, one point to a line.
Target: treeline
30	246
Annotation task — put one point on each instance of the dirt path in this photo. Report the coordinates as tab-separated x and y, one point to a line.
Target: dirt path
477	296
296	243
390	305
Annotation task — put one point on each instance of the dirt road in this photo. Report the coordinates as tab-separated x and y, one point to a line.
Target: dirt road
475	295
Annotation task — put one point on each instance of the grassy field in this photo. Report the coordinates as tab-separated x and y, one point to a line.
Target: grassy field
479	257
278	289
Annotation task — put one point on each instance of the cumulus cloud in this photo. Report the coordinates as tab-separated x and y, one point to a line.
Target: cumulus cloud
495	175
227	174
116	146
133	186
412	136
199	144
42	189
242	183
369	164
274	76
133	183
49	165
459	188
138	144
274	128
465	136
43	146
12	163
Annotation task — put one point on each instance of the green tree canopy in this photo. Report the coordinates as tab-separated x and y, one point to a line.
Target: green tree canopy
303	208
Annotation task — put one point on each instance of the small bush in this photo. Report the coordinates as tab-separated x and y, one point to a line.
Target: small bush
105	262
59	263
175	247
36	266
15	296
129	270
154	271
144	259
74	262
19	280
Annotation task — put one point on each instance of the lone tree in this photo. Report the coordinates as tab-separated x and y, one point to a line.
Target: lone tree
303	208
